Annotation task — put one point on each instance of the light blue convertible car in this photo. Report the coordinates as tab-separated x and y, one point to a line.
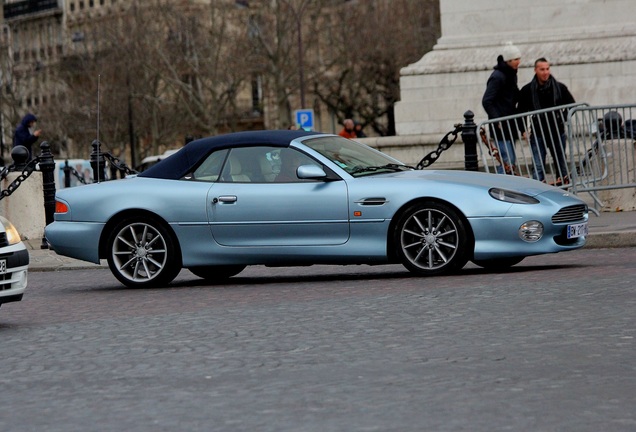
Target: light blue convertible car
285	198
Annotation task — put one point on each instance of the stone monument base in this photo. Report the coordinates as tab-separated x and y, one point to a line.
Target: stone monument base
437	90
25	206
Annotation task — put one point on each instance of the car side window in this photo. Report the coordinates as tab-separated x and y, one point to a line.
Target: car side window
210	168
263	164
241	166
290	160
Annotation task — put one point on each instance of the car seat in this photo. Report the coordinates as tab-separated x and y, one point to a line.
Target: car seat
236	171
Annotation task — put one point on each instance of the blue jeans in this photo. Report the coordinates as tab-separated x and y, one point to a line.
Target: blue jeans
557	150
506	154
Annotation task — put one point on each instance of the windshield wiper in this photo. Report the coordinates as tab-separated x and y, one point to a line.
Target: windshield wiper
391	166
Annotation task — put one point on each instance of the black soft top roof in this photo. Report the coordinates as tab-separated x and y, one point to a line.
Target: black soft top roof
180	163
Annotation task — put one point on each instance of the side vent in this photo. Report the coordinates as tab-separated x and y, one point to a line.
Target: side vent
372	201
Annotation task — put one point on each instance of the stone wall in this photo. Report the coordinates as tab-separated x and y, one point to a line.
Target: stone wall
25	206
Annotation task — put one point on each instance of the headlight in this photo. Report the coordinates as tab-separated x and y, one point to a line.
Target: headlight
531	231
512	197
13	236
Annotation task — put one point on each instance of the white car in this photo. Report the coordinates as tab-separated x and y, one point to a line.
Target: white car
14	263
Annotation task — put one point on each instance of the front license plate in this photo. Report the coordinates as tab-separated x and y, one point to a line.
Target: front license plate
3	266
577	230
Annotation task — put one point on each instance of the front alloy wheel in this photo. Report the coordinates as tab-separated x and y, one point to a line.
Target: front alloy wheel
432	239
143	254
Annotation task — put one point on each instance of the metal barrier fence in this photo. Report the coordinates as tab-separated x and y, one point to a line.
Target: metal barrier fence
603	153
531	144
579	147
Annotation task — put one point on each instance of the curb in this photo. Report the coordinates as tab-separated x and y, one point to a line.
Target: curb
611	240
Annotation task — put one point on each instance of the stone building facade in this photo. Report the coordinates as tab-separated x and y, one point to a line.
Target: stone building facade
31	39
39	34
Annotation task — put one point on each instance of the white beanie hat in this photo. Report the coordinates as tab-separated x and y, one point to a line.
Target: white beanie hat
510	52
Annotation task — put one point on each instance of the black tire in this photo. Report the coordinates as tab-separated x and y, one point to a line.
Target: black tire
217	273
499	263
431	239
142	252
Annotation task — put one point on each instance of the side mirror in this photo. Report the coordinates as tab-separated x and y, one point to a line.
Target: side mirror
310	172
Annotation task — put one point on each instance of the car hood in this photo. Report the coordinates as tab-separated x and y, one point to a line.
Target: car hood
474	178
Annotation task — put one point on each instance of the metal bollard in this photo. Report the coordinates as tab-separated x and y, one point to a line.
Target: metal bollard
67	175
20	156
98	162
47	167
469	137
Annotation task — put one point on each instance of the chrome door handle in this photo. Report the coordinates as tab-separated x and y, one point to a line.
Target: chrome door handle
225	199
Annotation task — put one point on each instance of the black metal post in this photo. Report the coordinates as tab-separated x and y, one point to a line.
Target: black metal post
47	167
469	137
131	128
20	156
114	171
67	174
98	162
298	14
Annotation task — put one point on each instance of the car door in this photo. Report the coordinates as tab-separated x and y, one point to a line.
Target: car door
256	202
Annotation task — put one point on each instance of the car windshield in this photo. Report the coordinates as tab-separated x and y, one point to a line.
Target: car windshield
355	158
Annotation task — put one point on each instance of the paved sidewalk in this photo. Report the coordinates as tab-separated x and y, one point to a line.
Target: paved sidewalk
608	230
612	229
47	260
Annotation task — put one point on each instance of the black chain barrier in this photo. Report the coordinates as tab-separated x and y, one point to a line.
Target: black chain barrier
121	166
32	166
444	144
98	160
26	172
80	178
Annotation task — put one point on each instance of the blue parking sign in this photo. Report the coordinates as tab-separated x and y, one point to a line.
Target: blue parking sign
305	119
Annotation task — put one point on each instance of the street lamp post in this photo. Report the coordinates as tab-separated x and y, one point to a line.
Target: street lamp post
5	46
131	128
298	15
1	126
301	68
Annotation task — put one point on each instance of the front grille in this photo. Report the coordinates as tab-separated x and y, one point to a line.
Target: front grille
570	214
5	282
3	239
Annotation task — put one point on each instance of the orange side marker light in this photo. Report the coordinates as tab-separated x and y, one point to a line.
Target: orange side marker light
60	207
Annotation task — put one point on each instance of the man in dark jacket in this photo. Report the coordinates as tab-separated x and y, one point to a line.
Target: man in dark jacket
25	134
500	100
547	129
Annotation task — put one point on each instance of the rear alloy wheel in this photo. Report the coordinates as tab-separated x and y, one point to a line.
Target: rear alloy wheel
432	239
143	253
217	273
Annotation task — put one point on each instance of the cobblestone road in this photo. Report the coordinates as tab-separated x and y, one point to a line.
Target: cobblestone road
547	347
